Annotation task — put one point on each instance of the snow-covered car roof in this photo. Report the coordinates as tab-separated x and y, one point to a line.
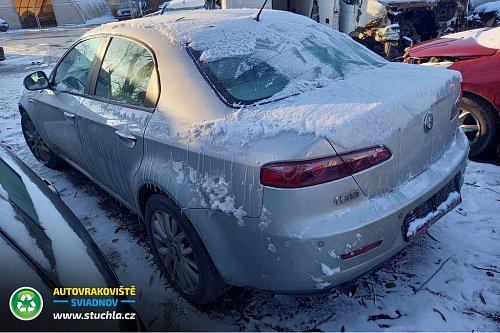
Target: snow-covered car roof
225	33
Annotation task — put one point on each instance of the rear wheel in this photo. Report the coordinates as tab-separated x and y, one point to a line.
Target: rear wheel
37	146
180	252
479	122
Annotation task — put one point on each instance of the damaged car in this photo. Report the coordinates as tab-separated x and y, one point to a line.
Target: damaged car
476	55
384	26
484	14
397	24
40	241
259	149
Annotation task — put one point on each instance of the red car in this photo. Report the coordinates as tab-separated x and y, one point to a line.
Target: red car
475	54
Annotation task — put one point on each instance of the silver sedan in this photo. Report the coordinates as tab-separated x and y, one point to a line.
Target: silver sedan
274	152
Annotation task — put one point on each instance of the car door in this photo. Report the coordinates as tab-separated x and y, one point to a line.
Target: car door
55	108
111	125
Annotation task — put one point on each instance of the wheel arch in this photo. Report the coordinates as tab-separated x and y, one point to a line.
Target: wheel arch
484	98
22	109
488	117
145	192
197	218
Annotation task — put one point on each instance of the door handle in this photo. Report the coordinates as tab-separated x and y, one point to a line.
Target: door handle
127	138
31	100
69	117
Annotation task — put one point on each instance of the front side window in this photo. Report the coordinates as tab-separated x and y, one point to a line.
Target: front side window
71	74
125	73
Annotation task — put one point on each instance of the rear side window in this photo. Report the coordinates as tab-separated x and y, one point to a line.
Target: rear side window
72	72
125	73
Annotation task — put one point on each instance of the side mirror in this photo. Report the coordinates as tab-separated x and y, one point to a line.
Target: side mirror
36	81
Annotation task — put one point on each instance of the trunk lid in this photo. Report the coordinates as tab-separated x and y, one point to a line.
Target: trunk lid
413	146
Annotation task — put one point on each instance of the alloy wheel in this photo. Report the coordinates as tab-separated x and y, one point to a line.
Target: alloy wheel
35	142
470	124
174	250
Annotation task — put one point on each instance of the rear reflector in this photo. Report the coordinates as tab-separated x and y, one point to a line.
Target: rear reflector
360	251
456	107
322	170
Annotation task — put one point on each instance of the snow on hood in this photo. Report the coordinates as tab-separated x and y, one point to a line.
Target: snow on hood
362	104
487	37
360	110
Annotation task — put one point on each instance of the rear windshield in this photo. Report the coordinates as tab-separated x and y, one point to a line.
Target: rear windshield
274	71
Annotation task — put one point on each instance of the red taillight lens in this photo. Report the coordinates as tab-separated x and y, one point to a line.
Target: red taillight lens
456	107
321	170
360	251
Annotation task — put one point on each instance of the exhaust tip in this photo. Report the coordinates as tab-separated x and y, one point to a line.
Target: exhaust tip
347	288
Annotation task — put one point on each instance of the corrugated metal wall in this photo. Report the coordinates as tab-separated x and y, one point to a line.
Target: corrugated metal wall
46	13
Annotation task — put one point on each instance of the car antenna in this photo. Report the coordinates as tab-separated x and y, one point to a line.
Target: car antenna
256	18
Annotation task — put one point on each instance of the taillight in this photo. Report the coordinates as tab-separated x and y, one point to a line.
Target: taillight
456	107
322	170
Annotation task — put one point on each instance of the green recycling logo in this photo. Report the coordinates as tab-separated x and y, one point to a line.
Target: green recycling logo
26	303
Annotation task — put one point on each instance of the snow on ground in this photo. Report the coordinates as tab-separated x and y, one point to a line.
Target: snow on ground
448	280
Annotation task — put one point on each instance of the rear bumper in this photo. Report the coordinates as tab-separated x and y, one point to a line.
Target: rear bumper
290	254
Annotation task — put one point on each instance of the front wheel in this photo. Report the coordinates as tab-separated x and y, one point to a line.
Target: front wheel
38	147
180	252
479	122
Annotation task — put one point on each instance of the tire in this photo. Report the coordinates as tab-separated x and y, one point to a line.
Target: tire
37	145
479	122
176	244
